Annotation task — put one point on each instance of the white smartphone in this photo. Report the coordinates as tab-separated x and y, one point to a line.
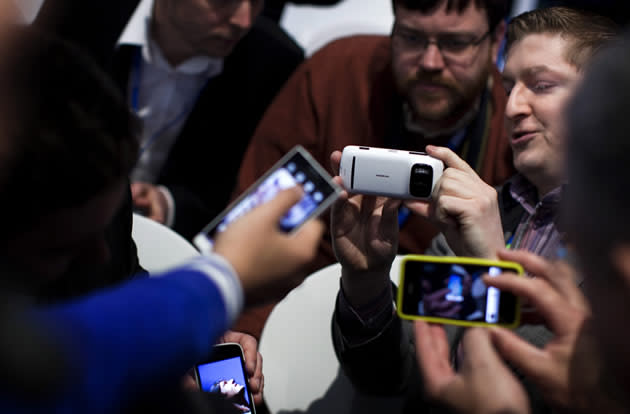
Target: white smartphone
297	167
389	172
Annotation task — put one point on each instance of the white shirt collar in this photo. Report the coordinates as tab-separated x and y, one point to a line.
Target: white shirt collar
138	33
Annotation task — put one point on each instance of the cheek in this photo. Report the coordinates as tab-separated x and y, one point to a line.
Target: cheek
402	68
472	75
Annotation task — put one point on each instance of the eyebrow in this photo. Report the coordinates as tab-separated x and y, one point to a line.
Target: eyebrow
534	70
416	31
529	72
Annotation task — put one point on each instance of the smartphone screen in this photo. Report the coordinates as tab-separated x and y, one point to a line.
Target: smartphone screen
452	291
225	375
297	167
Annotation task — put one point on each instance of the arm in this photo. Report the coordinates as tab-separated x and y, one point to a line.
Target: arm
135	338
365	240
150	331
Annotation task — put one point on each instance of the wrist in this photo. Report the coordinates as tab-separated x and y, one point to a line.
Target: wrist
363	287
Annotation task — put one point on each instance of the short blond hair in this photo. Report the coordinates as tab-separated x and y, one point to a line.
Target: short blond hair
587	32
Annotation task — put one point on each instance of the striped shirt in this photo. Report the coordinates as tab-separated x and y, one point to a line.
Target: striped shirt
537	231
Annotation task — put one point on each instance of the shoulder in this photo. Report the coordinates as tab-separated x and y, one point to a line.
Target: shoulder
266	42
354	51
350	66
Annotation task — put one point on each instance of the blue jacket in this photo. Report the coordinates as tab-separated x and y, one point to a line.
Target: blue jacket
137	337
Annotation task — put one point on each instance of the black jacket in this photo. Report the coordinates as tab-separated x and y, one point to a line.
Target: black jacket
202	166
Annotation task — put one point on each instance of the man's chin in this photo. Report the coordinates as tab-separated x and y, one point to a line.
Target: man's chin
432	110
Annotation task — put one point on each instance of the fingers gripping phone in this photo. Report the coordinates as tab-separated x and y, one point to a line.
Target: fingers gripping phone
224	373
450	290
297	167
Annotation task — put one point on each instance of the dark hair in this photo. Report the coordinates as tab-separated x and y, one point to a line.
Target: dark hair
586	31
597	198
66	134
496	10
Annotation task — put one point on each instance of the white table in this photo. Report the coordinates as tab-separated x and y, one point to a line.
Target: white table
159	247
301	371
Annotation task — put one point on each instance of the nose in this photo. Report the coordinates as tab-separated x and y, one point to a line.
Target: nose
243	16
517	105
432	59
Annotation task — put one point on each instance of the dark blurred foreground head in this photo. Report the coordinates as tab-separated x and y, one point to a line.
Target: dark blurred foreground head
67	144
598	200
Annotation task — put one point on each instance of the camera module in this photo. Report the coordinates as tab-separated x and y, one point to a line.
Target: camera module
421	180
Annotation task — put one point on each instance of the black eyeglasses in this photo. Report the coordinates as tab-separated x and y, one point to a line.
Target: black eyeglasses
453	46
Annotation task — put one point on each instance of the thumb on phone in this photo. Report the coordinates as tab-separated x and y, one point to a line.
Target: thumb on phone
284	200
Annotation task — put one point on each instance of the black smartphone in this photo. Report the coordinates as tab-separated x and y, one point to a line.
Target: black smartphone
224	373
450	290
297	167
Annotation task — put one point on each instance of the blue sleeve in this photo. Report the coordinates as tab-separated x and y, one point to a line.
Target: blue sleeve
131	339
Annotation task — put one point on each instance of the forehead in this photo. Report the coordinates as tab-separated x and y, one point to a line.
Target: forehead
439	20
538	50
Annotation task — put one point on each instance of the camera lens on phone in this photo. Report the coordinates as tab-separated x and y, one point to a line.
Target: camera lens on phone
421	180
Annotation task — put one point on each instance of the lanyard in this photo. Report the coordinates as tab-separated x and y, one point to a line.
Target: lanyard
135	101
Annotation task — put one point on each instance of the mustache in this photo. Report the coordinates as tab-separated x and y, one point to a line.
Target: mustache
423	77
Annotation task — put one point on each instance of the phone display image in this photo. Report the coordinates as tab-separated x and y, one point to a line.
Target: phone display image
296	168
226	376
451	290
455	288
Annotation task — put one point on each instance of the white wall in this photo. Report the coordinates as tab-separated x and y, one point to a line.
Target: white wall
30	8
312	26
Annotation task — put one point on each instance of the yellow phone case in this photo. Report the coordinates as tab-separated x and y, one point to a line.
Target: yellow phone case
513	266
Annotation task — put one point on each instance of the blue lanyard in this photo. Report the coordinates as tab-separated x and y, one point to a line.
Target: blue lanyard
508	245
135	101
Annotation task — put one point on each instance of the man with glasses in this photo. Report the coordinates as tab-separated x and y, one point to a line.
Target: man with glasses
433	81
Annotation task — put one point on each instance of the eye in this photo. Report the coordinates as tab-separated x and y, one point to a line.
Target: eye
454	44
540	87
508	86
410	37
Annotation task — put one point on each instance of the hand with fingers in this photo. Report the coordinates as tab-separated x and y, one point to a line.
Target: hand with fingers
150	201
268	261
364	231
436	304
568	369
483	384
464	207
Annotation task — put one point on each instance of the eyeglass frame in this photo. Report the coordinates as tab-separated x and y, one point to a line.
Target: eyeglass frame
429	40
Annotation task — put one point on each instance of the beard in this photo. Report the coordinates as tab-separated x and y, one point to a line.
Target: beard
446	100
